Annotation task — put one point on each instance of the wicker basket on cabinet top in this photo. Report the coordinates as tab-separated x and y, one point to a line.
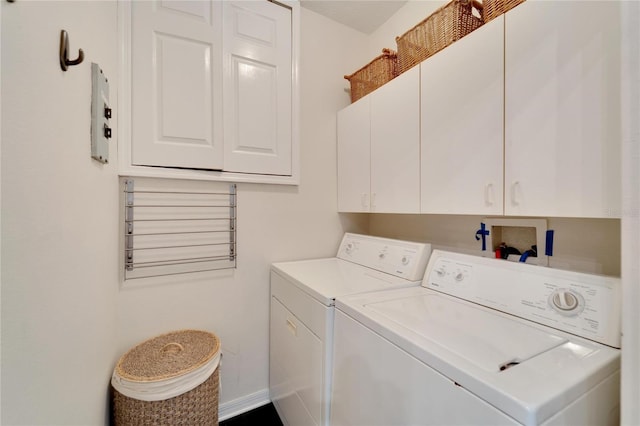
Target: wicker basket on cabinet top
495	8
446	25
373	75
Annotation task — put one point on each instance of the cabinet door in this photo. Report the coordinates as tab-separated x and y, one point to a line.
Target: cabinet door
257	87
462	122
562	110
176	84
354	159
395	145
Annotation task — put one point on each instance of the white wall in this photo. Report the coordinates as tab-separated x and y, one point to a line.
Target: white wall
65	316
585	245
0	219
59	218
630	213
275	223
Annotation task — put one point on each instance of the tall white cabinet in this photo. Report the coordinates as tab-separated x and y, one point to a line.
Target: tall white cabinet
395	145
562	109
379	149
211	85
354	156
462	90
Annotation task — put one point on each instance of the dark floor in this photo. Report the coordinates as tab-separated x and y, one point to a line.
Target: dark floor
262	416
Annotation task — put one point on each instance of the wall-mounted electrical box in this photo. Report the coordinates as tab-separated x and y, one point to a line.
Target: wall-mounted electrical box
517	236
100	115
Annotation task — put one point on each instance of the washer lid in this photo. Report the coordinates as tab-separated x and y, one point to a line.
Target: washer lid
478	335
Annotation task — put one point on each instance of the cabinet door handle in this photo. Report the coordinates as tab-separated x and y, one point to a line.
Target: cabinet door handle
488	194
514	193
364	201
293	328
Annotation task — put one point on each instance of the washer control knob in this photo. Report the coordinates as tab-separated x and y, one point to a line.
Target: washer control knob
440	272
381	256
459	276
566	302
405	260
349	248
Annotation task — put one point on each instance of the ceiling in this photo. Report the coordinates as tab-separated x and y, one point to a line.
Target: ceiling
362	15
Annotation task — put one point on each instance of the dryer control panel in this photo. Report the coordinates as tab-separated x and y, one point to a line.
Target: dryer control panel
403	259
582	304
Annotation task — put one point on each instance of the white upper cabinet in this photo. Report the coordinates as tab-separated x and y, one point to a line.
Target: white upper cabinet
462	89
209	90
379	149
354	156
562	109
177	84
395	145
257	85
519	118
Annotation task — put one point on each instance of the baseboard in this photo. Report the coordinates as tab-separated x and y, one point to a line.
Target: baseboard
243	404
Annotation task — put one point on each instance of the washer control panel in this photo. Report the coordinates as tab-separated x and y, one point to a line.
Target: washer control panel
582	304
404	259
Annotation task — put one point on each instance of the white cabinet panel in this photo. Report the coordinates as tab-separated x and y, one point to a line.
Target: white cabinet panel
395	145
255	95
176	95
354	156
562	89
180	86
257	88
198	9
462	89
297	389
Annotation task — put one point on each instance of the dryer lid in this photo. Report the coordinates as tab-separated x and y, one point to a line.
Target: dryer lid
326	279
484	338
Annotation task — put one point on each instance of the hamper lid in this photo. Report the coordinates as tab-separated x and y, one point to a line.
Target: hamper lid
167	356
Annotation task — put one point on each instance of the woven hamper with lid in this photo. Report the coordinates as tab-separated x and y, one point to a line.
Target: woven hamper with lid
171	379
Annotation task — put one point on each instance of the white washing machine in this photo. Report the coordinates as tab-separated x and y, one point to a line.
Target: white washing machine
302	312
481	342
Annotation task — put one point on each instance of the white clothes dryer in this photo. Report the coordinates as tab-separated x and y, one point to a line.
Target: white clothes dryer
302	310
481	342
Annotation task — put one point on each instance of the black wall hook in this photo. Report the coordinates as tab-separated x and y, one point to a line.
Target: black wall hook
64	52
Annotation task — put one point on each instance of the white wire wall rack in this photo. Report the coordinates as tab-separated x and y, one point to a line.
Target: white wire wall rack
178	232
